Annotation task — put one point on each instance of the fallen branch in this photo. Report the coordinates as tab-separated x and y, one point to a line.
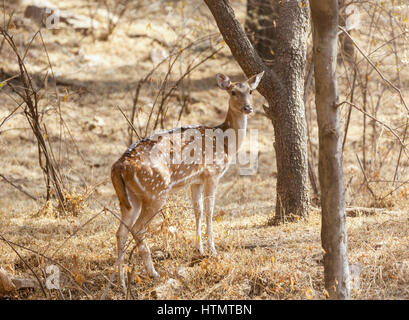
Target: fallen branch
72	276
26	264
357	211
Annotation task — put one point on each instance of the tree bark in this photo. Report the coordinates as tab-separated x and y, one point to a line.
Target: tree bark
283	60
333	232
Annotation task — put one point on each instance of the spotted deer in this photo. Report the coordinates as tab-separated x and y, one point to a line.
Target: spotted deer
145	174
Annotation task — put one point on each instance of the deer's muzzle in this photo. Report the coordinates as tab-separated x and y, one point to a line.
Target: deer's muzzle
247	109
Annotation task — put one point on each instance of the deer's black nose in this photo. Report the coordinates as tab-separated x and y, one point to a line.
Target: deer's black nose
248	109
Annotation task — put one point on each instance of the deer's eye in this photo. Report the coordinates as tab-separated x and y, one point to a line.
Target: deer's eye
233	93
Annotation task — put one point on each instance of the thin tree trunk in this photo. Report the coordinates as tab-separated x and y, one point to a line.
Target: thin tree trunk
282	55
333	233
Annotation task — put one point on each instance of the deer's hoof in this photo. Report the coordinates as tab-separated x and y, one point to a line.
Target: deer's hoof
155	275
201	251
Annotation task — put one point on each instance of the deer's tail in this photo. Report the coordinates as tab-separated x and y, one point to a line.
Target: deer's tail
119	186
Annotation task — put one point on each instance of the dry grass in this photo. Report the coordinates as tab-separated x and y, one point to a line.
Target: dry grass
255	261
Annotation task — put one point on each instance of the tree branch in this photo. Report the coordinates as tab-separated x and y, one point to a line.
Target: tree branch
240	45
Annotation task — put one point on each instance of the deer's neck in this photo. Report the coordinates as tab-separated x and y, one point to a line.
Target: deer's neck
237	122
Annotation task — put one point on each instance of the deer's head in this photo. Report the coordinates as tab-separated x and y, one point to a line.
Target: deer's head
240	92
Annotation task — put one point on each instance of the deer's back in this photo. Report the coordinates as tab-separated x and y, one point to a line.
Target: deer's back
167	160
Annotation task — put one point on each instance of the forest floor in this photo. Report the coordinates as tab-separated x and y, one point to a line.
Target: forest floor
256	261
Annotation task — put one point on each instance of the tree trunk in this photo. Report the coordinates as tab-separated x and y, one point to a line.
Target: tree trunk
333	233
347	48
283	27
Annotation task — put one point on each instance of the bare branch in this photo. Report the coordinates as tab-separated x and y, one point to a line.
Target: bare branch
377	70
18	187
240	45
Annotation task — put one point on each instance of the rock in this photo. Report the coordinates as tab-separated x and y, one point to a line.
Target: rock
36	14
41	11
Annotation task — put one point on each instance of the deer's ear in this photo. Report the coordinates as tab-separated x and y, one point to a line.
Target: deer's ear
255	80
223	81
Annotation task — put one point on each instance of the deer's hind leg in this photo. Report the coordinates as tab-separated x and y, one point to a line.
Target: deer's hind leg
128	218
149	210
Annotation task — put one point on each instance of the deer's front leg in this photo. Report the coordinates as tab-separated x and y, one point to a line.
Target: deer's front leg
209	198
197	201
